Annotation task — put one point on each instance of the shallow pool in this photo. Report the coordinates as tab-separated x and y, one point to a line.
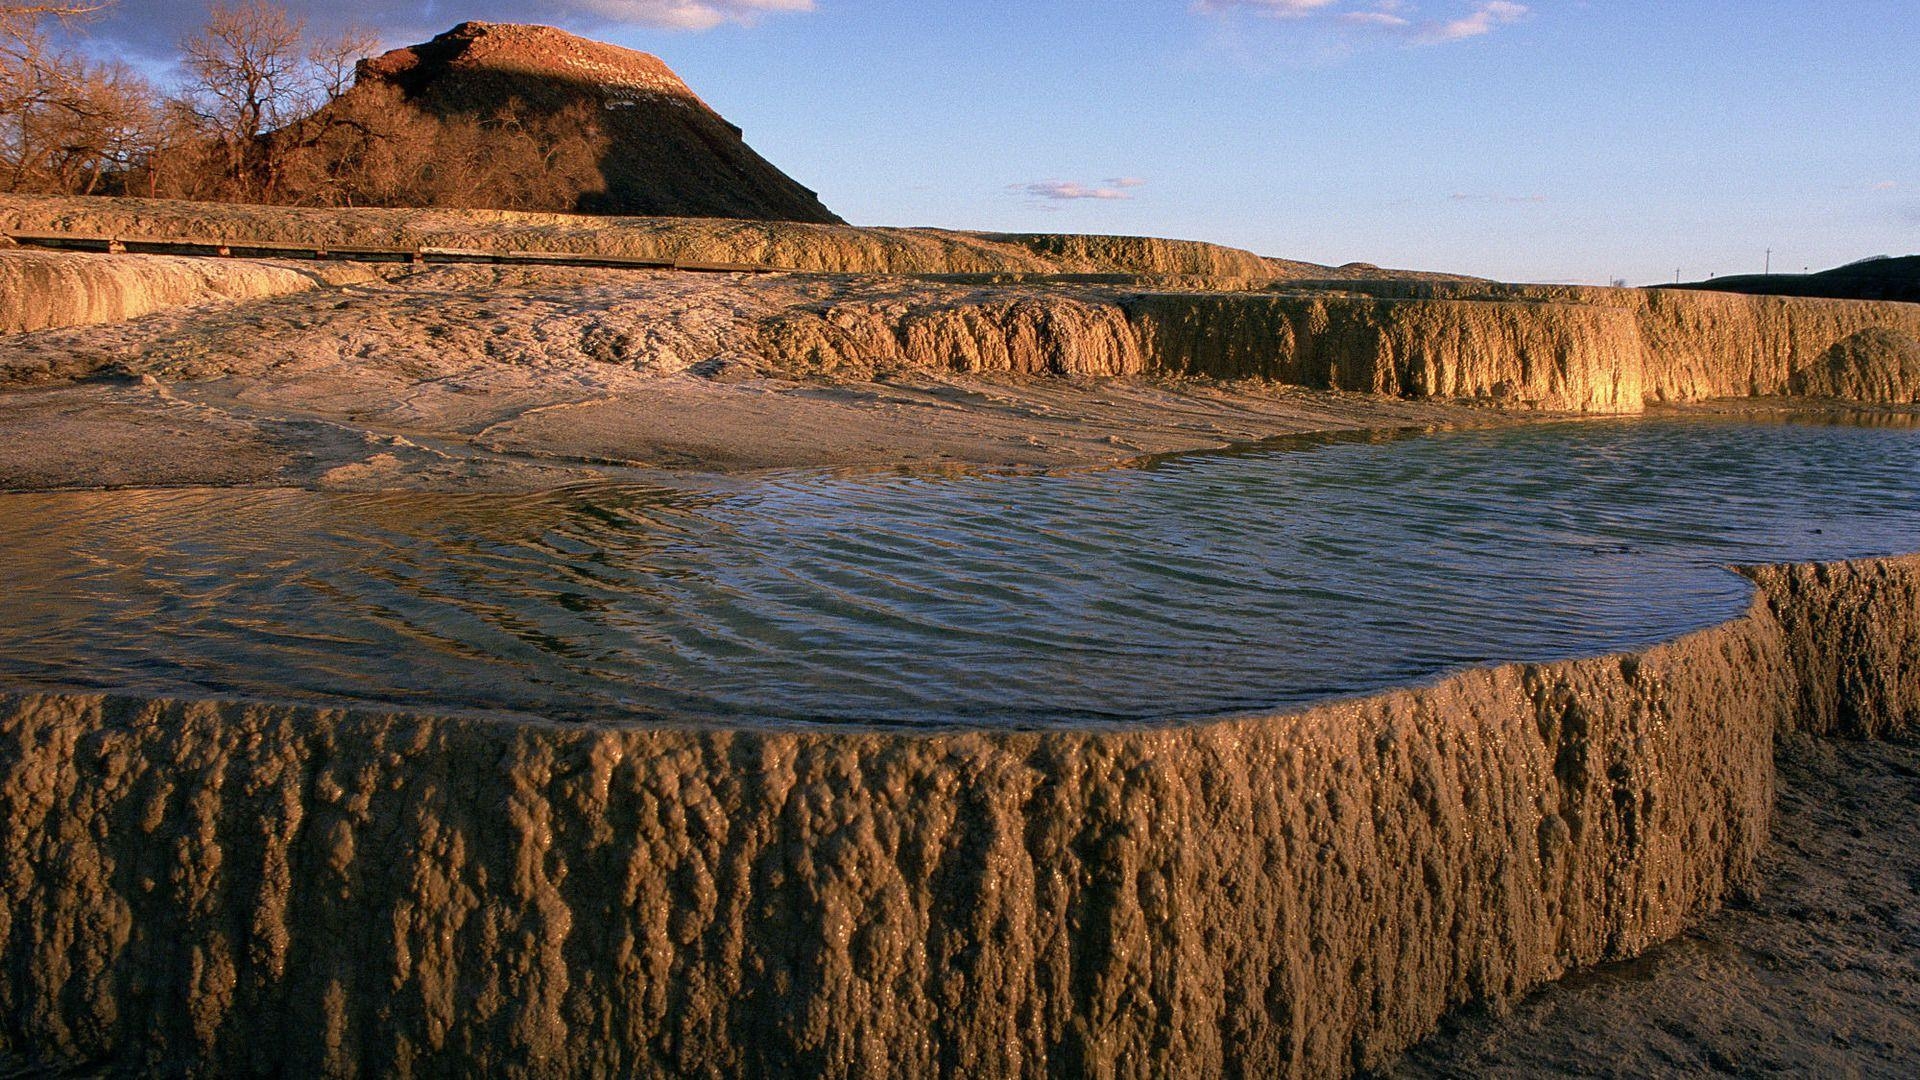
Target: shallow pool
1195	586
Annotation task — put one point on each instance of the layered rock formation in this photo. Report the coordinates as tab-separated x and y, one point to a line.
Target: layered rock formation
1691	346
1037	305
1876	364
1571	357
1579	355
1850	636
230	888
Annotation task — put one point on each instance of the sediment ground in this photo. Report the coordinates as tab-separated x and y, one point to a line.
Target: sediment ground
228	886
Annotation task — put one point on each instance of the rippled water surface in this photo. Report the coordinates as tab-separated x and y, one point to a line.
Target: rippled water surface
1197	586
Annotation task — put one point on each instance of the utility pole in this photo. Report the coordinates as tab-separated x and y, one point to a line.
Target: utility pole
1769	261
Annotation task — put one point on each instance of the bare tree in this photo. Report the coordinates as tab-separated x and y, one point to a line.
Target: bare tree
66	124
19	18
32	72
333	60
100	134
255	88
246	76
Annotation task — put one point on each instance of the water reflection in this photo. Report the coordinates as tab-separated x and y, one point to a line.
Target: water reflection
1192	586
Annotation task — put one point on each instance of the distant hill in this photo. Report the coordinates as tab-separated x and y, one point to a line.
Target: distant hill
1869	279
651	146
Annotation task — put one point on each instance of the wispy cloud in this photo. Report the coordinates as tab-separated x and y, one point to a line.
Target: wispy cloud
1884	185
154	26
1397	19
1275	9
1480	21
1119	187
683	14
1467	196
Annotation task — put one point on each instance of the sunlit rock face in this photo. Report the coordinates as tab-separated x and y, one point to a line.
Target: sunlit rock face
1877	364
934	301
222	887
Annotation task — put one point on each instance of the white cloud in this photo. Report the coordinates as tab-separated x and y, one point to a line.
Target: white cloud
1276	9
684	14
1884	185
1069	190
1481	21
1464	196
1378	20
1392	18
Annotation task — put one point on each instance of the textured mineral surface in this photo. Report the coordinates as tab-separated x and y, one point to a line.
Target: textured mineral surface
249	887
224	886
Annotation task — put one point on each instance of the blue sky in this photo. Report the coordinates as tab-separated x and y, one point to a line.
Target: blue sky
1550	141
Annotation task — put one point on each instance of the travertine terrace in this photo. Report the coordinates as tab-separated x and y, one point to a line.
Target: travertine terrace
222	886
45	289
247	888
888	301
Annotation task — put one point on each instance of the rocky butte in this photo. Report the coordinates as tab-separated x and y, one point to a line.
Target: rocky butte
656	148
219	887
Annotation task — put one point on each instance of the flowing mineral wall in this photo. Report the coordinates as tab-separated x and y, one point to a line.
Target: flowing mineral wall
1576	355
228	888
1061	304
1600	351
43	289
1685	345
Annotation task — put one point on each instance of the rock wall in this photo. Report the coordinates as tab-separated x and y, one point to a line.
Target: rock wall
41	289
1569	353
1564	357
1691	346
988	331
225	888
1875	364
1142	255
1057	304
1851	635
